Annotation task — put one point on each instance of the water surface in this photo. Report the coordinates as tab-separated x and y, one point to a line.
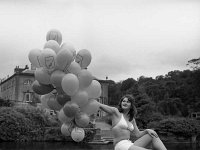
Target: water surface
78	146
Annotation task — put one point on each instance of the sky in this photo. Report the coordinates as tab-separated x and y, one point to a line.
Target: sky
127	38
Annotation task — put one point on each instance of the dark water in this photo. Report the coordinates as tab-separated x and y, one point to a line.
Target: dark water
76	146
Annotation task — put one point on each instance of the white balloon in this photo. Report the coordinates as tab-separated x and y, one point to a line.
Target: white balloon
78	134
56	78
34	56
94	89
54	34
83	58
67	128
91	107
69	46
70	84
48	59
52	45
64	59
44	100
74	68
42	76
85	78
80	98
63	118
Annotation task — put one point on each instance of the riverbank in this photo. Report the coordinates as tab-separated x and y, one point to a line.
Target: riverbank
105	133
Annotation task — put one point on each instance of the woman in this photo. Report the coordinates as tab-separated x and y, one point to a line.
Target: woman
123	123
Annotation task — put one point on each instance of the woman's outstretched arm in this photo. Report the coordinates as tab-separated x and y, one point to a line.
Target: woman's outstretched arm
108	109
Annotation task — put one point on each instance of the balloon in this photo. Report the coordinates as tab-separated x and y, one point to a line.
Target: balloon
70	47
85	78
78	134
74	68
52	102
71	109
64	59
82	119
42	76
62	99
80	98
44	100
52	45
67	128
94	89
70	84
63	118
91	107
83	58
48	59
56	78
33	56
41	89
54	34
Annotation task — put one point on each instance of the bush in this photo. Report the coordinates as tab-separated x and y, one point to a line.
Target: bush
143	121
23	124
13	125
38	116
178	126
89	134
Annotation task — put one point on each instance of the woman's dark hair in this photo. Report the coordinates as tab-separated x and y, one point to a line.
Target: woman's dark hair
133	111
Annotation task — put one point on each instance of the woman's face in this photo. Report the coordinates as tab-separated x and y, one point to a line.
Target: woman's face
125	104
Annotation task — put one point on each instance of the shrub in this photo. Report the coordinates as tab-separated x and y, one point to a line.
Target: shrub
24	123
13	125
143	121
178	126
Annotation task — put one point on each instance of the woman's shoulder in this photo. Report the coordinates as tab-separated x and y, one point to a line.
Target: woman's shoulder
116	112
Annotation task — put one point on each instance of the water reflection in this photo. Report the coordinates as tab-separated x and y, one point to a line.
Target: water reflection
53	146
76	146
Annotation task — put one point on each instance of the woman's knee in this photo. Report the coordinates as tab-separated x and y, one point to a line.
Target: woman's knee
152	133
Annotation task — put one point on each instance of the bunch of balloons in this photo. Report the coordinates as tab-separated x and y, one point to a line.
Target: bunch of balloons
65	84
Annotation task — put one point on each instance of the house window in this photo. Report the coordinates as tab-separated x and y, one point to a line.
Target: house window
27	97
27	82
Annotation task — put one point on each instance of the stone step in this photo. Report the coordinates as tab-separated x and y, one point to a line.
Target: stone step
108	138
101	141
106	133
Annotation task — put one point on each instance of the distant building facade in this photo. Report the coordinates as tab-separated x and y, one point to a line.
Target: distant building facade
18	87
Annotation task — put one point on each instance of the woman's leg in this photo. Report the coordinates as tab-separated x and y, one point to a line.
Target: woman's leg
146	140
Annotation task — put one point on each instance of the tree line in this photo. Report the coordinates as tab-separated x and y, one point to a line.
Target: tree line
175	94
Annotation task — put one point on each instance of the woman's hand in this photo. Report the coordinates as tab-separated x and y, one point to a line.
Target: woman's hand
152	133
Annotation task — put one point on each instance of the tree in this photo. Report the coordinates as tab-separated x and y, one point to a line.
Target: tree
114	92
194	63
171	106
127	84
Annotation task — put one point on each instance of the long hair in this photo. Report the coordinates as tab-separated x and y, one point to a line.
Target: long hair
133	111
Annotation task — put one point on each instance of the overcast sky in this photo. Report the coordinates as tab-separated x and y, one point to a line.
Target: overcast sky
127	38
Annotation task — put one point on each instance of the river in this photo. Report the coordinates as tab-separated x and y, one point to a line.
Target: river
77	146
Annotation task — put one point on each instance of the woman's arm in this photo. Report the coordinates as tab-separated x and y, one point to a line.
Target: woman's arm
136	131
108	109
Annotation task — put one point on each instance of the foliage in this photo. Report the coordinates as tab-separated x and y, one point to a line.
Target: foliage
54	134
175	94
185	127
23	124
127	84
6	103
89	134
194	63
